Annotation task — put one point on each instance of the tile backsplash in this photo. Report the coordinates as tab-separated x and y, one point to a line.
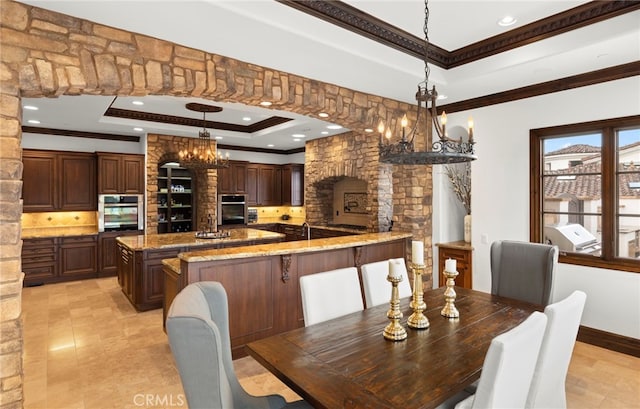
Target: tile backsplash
59	219
277	211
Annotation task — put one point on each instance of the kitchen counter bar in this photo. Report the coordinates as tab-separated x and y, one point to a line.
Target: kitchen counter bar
292	247
140	271
189	239
261	281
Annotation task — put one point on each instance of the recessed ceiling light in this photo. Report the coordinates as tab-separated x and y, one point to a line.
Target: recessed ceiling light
246	118
334	127
368	130
442	96
296	140
137	102
298	135
324	133
507	21
265	103
33	121
217	138
323	115
138	129
270	145
31	107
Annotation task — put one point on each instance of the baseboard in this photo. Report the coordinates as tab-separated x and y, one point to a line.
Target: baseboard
608	340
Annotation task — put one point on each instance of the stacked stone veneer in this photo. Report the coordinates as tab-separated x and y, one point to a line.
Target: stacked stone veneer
46	54
162	149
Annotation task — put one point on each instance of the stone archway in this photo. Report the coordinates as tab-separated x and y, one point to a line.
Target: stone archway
47	54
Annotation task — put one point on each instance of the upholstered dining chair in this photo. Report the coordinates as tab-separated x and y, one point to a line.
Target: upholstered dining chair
198	329
523	270
508	367
330	294
377	290
548	385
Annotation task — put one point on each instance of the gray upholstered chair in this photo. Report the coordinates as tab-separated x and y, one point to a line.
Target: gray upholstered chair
523	270
198	330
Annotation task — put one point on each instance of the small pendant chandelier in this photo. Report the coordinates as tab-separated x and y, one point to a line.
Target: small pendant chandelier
445	149
203	155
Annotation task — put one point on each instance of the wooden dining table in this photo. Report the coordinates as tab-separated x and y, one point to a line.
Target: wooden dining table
347	363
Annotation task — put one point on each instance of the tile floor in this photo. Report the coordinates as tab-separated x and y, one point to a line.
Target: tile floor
86	347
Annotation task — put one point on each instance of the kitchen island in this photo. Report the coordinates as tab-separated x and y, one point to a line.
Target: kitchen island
140	258
261	281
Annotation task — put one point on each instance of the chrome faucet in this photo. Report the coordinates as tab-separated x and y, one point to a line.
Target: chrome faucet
305	226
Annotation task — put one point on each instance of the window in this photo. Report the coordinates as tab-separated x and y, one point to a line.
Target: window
584	192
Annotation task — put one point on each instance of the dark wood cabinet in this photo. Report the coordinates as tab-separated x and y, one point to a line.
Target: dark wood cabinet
264	184
120	173
233	179
108	251
57	259
293	184
58	181
462	252
40	260
78	257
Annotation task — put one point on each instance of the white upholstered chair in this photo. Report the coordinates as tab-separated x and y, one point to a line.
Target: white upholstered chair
377	290
198	330
548	385
508	367
330	294
523	271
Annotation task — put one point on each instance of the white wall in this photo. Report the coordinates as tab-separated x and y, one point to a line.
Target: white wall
500	194
76	144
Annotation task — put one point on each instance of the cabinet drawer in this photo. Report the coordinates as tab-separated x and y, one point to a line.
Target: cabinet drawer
39	258
459	255
44	242
162	254
38	271
79	240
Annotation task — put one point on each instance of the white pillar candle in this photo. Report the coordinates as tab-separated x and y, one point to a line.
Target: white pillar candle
417	252
394	269
450	265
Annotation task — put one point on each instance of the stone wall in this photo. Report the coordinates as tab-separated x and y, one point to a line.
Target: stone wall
46	54
162	149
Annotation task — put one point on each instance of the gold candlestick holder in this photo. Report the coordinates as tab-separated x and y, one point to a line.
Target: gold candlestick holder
417	320
450	310
394	331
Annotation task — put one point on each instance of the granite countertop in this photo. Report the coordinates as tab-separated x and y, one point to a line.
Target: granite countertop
44	232
188	239
299	221
300	246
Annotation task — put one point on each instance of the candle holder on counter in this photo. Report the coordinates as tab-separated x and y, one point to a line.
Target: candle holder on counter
450	310
418	320
394	331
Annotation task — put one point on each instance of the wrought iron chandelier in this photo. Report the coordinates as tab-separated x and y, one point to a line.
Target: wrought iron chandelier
203	155
445	149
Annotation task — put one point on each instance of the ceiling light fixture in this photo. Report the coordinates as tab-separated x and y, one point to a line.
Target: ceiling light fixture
31	107
507	21
445	149
203	155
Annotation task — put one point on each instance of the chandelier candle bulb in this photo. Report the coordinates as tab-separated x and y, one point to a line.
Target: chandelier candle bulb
470	123
417	252
450	265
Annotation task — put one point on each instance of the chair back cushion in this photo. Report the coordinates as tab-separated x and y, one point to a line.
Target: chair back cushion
196	345
509	364
377	290
523	270
548	384
330	294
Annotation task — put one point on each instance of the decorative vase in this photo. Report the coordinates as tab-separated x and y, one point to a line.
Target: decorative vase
467	228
